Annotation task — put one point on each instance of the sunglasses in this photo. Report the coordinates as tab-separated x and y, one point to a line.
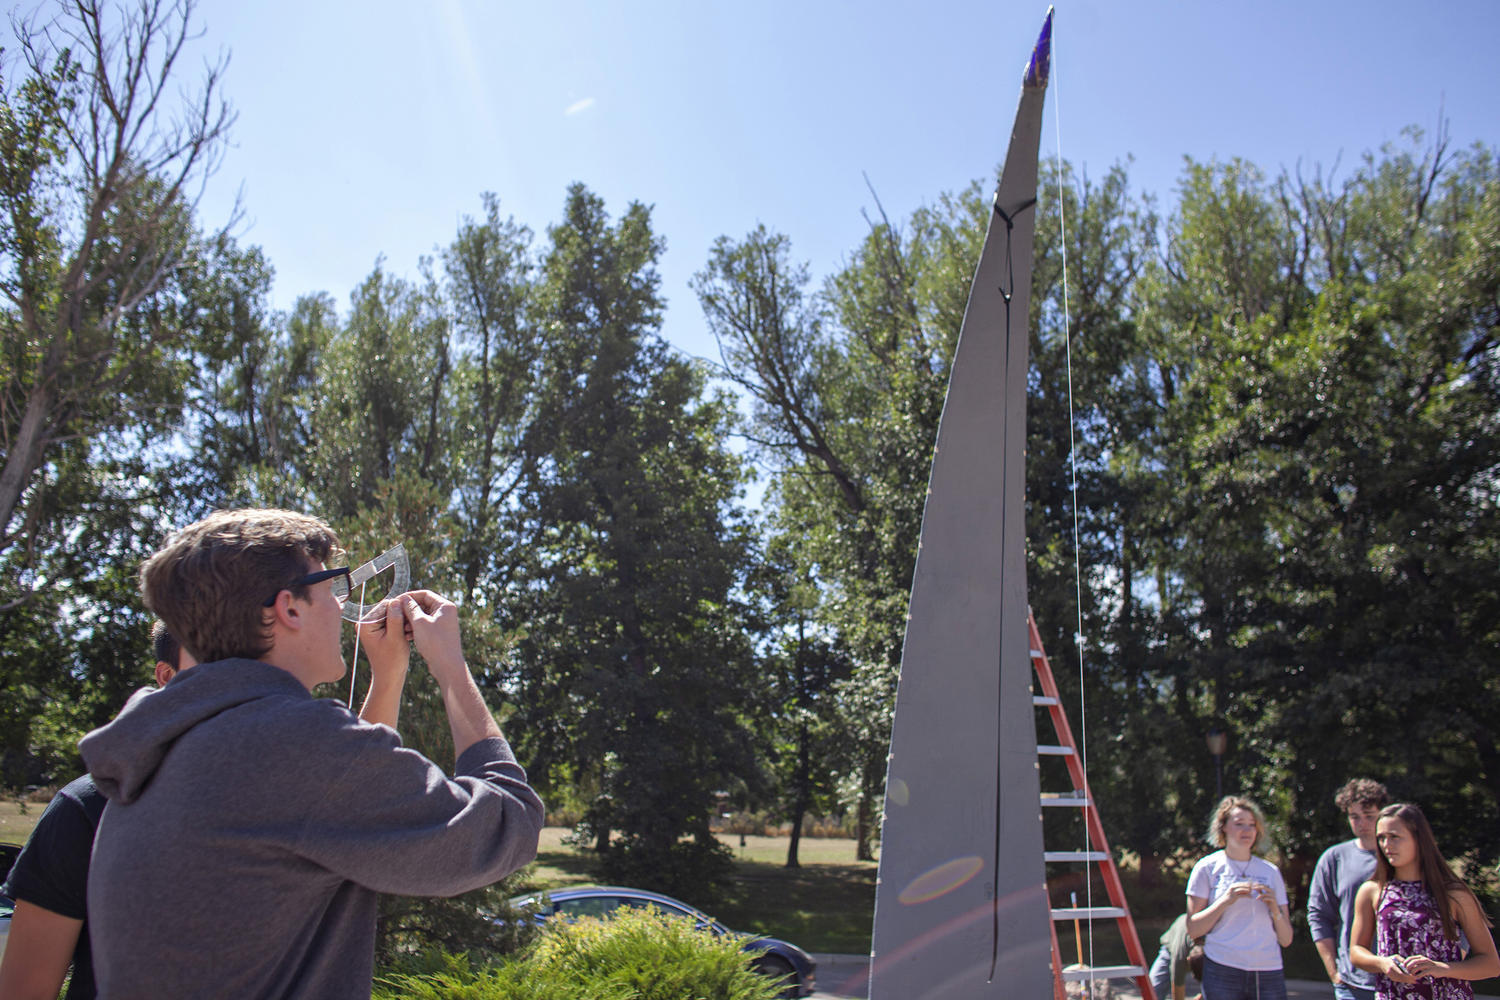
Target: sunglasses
341	587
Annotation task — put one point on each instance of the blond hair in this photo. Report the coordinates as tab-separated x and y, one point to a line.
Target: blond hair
1220	819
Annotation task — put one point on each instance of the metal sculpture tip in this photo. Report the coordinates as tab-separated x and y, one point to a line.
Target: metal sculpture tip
1040	65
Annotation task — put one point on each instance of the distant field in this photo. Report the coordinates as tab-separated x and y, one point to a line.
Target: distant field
15	826
761	850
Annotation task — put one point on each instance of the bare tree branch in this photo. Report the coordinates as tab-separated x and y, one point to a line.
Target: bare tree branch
98	219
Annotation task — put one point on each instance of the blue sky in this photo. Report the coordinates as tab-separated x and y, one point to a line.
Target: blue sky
370	128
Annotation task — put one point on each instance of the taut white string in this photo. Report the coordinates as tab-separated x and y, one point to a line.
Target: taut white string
354	663
1078	637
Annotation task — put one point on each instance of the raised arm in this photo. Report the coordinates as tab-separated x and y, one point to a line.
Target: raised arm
385	638
434	624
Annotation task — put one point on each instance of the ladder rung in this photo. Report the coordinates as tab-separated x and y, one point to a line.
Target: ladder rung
1074	855
1077	798
1103	972
1088	912
1064	800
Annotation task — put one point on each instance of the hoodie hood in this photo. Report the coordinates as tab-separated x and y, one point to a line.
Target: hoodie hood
124	754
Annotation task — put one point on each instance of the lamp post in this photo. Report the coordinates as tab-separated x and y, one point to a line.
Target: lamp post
1217	740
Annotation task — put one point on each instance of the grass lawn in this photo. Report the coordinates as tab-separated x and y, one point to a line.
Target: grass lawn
827	905
15	826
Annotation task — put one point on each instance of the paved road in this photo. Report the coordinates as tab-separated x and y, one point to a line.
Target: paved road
843	976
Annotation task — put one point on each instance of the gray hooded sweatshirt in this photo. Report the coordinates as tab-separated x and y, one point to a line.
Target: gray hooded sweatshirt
250	827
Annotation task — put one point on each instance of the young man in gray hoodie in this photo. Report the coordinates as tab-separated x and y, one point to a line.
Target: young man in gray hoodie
251	826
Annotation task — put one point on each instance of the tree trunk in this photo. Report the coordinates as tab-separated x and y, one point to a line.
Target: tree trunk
799	804
26	452
864	829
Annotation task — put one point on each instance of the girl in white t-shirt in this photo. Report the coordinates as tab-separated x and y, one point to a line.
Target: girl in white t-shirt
1237	903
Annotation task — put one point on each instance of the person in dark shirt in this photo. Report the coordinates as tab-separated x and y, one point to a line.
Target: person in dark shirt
48	931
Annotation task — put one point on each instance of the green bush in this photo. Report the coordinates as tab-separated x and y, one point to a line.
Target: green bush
441	976
632	955
479	924
657	956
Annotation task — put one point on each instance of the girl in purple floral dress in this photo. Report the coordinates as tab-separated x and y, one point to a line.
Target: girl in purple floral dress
1413	910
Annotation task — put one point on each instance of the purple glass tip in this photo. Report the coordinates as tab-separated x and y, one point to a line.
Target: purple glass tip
1041	56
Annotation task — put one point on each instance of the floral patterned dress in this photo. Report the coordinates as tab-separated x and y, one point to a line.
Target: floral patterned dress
1407	922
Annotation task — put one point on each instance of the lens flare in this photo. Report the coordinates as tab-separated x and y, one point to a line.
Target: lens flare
941	880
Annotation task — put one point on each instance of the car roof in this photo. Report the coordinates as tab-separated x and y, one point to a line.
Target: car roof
577	891
568	892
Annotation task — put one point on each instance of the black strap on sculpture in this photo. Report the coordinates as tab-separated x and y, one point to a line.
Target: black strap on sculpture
1005	294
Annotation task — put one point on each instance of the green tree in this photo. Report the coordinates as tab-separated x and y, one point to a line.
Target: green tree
101	165
634	669
802	663
1327	455
489	283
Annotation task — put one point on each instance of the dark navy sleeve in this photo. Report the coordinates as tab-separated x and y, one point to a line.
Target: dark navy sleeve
53	868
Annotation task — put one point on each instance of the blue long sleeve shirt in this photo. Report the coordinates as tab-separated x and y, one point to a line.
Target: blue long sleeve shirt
1341	870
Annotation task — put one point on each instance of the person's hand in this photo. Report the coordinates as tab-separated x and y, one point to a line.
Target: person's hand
385	637
1240	890
1421	965
1266	895
1396	970
434	628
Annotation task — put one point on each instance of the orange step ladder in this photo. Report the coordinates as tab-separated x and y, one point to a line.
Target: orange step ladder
1097	847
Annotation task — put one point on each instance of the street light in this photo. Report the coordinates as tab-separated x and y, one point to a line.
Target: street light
1217	740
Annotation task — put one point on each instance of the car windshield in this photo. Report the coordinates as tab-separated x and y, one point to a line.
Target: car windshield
602	904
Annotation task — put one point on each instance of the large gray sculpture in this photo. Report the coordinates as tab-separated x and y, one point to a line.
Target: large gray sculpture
961	907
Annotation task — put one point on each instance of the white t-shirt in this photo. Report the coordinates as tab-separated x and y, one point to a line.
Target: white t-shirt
1244	937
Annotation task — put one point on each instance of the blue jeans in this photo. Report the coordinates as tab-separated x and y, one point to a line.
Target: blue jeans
1223	982
1346	992
1161	975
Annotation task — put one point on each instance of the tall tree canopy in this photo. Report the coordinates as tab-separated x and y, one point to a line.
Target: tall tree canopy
1264	422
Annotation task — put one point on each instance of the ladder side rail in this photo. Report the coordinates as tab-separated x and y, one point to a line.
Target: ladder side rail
1043	670
1059	991
1074	761
1095	827
1133	948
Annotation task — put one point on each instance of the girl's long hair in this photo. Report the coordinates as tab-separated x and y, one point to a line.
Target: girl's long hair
1437	875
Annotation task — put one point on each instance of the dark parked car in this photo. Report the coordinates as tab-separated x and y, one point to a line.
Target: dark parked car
773	957
8	855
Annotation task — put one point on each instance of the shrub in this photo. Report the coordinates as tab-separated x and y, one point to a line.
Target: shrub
442	976
658	957
632	955
479	924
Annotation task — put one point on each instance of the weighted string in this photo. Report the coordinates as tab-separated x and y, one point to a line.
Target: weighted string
354	663
1078	636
